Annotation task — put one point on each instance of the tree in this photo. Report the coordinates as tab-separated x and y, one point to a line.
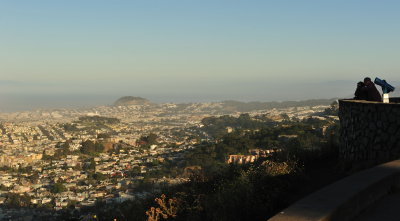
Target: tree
165	210
62	149
149	139
58	188
91	165
16	200
87	147
285	117
99	176
103	135
34	178
90	147
98	147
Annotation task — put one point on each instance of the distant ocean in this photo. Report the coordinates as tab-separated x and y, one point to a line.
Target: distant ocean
273	92
13	103
22	102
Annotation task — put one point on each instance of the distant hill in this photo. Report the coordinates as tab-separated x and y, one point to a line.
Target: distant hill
130	100
255	105
232	106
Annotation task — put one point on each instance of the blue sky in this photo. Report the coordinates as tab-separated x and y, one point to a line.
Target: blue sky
202	47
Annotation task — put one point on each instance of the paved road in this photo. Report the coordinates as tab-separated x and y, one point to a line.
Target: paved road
386	209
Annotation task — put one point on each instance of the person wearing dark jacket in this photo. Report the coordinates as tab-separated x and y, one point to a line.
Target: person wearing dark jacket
372	94
360	94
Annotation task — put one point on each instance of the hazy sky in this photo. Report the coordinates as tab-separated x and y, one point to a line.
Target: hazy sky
203	47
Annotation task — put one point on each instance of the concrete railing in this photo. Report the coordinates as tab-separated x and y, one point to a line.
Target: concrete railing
346	198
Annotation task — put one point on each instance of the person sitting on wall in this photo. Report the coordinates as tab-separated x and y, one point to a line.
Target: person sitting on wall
360	94
372	94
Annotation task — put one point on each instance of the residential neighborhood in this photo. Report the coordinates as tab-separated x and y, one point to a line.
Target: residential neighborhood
46	160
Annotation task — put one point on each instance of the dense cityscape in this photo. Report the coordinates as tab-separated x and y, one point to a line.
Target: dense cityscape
52	160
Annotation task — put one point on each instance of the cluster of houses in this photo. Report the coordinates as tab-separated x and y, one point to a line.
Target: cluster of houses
253	155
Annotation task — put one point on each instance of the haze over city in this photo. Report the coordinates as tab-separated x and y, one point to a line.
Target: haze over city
74	53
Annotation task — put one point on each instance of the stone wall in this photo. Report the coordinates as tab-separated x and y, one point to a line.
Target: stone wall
370	131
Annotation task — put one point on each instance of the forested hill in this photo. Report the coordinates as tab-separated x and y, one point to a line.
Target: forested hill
130	100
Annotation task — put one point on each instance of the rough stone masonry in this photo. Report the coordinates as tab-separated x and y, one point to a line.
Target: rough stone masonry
370	131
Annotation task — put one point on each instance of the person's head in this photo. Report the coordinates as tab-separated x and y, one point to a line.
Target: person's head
360	84
367	81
